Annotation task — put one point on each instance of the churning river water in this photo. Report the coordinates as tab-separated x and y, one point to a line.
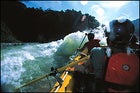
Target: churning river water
23	63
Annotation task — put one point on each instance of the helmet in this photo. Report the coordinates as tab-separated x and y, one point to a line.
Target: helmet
90	36
121	31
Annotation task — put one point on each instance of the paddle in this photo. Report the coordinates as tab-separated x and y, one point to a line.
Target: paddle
80	44
59	70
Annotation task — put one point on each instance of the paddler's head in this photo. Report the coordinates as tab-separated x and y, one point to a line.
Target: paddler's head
121	31
90	36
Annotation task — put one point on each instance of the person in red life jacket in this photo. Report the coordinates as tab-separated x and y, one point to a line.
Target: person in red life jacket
117	66
85	50
82	80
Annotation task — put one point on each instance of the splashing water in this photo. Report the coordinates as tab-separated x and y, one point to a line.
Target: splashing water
23	63
20	64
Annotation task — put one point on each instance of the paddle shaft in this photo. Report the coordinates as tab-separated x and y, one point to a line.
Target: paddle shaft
80	44
72	64
59	70
35	80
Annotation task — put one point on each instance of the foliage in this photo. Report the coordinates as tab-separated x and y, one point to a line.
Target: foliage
36	25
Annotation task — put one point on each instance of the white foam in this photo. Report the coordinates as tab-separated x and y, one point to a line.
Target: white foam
28	56
11	70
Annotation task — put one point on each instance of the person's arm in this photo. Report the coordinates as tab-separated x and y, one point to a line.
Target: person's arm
81	49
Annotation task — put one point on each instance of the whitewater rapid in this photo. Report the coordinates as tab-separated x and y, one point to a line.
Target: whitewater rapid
23	63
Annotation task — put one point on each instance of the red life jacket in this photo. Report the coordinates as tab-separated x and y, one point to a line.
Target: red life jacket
123	69
93	43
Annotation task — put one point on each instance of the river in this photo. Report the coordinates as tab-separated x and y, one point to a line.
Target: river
25	62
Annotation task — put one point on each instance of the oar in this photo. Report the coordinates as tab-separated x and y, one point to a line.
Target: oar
59	70
73	63
35	80
80	44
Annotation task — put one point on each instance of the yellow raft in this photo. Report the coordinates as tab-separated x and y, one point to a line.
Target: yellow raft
66	76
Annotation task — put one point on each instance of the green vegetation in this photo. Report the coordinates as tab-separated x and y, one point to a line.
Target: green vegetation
36	25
